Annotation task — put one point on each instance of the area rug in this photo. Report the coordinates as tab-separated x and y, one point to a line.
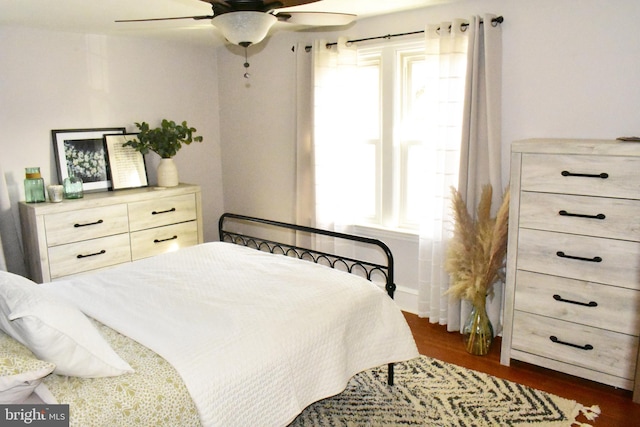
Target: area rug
429	392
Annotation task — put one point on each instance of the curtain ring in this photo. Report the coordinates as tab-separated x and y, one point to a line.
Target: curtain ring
464	27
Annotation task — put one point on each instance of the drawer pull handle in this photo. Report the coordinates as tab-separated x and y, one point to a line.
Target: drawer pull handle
88	224
163	212
90	255
565	213
165	240
594	259
585	304
581	347
602	175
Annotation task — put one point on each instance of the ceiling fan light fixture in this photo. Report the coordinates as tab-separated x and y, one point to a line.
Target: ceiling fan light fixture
244	28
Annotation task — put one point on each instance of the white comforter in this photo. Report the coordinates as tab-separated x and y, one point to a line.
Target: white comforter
256	337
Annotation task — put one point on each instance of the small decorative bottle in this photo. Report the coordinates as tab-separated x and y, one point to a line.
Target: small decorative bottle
33	186
73	187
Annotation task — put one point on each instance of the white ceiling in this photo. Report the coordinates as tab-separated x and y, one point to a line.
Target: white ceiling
98	16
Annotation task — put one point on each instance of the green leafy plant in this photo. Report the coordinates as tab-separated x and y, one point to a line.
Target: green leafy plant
165	140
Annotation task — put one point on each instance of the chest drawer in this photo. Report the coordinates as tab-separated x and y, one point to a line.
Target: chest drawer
155	241
578	301
162	211
88	255
605	176
591	216
83	224
613	262
592	348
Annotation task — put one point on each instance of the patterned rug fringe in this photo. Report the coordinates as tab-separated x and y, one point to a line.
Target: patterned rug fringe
429	392
590	413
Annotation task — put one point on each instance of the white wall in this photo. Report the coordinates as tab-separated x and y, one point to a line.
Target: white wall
257	128
53	80
570	69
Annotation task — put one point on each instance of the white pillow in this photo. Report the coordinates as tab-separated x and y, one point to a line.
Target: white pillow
55	331
20	371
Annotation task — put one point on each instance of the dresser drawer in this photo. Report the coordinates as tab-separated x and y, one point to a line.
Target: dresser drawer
162	211
610	352
89	255
591	216
578	301
573	256
159	240
605	176
84	224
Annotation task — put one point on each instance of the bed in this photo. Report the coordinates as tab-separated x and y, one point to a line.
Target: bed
218	334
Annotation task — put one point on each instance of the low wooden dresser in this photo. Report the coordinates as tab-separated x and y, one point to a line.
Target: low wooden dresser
572	297
109	228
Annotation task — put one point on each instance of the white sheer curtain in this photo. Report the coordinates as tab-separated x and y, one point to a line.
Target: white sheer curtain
466	61
11	258
333	136
446	65
305	180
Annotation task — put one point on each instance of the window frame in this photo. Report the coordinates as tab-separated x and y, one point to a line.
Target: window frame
392	154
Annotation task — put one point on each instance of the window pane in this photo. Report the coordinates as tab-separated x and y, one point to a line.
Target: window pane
365	185
366	121
367	116
412	86
417	187
413	170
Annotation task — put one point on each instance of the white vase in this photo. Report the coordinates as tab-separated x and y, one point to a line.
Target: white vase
167	173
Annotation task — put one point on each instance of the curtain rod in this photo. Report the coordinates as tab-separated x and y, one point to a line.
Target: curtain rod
495	21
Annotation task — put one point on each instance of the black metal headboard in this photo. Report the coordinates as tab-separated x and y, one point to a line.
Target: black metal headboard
352	265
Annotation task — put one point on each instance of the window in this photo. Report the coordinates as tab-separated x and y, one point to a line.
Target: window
387	126
391	157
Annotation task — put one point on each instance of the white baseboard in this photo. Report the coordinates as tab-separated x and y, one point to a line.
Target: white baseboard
407	299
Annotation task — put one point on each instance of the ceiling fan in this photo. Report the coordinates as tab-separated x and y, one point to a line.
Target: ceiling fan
247	22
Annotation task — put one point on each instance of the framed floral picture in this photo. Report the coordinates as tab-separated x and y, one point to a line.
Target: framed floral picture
82	153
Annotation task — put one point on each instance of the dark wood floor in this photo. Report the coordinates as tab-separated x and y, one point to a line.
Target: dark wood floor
616	405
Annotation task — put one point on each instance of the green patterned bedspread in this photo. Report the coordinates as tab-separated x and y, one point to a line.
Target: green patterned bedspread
154	395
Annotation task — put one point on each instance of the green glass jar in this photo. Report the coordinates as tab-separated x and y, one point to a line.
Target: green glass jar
33	186
73	188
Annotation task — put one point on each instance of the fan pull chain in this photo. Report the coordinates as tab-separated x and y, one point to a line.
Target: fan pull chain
246	64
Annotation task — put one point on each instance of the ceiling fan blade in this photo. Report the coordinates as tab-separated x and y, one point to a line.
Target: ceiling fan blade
291	3
317	19
166	19
257	5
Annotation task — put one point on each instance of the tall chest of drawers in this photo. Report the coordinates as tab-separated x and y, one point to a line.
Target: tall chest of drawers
572	297
106	229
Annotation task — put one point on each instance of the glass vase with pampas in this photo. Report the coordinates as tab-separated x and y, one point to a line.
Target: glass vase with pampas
475	260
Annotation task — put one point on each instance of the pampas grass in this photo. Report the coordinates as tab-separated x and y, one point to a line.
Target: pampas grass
476	253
